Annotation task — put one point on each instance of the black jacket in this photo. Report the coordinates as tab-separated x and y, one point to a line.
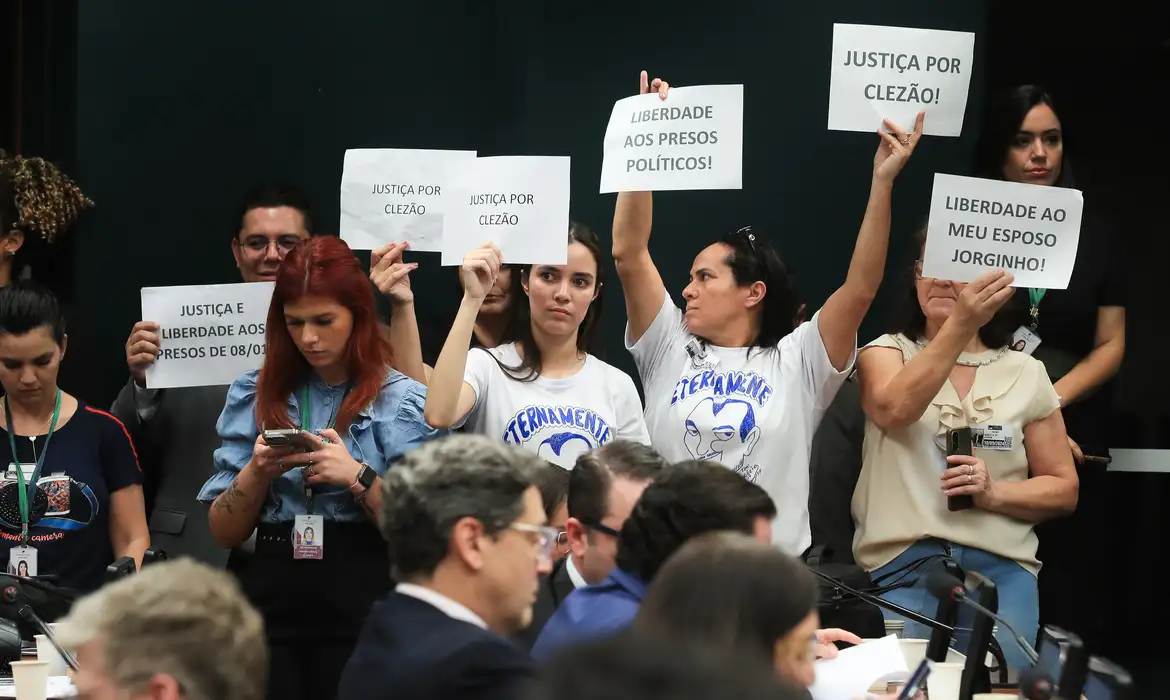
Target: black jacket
554	588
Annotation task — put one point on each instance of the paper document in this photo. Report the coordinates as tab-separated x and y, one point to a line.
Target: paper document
856	669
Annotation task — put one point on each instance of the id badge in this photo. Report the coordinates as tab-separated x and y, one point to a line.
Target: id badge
1025	340
22	561
992	436
309	537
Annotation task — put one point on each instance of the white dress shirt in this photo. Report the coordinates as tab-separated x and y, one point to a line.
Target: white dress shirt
574	575
449	607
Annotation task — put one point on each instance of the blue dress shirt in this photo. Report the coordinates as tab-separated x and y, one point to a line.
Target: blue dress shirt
391	425
592	611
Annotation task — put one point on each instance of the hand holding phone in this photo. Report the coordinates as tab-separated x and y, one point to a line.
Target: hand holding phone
288	437
917	682
959	443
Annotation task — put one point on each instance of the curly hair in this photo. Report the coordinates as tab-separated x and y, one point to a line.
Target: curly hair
36	197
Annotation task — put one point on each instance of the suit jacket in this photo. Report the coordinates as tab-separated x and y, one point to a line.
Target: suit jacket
175	449
591	612
554	587
411	650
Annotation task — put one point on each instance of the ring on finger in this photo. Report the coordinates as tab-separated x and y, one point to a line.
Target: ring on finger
280	462
970	470
970	479
906	140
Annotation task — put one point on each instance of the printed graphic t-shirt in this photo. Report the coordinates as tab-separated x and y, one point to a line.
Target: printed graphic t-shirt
557	419
752	412
89	458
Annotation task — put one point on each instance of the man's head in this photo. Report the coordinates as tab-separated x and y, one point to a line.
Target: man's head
178	629
273	219
603	488
689	499
463	515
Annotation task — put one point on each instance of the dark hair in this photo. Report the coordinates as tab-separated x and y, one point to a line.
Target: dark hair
438	484
732	591
553	484
593	474
27	306
1003	116
519	326
636	665
271	196
687	500
996	333
753	259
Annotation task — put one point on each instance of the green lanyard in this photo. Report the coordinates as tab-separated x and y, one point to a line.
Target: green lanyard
305	427
1035	296
26	490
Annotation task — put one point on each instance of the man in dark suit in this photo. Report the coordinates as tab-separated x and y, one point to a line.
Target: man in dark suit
603	487
174	429
468	538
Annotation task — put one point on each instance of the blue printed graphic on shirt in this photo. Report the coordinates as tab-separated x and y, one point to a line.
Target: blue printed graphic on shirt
724	425
558	433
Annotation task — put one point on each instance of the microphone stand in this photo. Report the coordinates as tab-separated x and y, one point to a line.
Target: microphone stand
884	604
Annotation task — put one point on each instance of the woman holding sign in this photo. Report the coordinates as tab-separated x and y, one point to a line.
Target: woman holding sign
729	379
1079	335
541	390
305	442
70	493
965	451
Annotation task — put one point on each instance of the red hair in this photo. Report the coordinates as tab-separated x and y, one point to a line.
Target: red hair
322	266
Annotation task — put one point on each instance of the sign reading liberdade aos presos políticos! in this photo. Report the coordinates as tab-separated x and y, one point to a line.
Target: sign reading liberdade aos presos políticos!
692	140
975	225
519	203
210	334
395	194
897	72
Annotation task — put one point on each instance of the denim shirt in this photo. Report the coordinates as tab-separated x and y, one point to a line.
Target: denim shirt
390	426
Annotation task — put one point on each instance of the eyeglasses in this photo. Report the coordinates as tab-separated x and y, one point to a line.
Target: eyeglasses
595	525
562	542
259	245
546	540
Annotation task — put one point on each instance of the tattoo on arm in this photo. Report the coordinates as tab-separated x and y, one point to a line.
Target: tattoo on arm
227	499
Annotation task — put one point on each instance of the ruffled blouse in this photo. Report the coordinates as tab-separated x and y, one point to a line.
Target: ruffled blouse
898	499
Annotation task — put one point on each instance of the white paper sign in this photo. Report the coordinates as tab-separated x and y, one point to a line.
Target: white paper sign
975	225
855	669
520	203
693	140
210	334
895	73
393	194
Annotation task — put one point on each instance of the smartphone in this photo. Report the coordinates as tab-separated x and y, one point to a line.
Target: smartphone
959	443
1107	681
288	437
917	682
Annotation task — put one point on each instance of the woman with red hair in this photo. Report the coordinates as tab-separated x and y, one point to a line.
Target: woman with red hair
326	379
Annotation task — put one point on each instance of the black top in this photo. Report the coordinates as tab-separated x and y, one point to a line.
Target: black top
1068	326
89	458
411	650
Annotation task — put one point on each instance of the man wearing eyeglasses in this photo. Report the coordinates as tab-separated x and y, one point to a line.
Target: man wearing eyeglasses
603	487
174	429
468	537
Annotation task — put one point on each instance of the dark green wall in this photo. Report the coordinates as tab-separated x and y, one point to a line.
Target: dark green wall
182	105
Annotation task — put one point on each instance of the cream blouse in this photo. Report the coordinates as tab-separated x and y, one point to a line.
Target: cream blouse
898	499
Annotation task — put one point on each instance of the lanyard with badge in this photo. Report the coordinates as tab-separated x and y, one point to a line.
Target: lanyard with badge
309	529
22	560
1025	339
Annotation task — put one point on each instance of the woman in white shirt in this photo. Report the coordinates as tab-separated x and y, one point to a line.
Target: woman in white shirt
730	379
542	390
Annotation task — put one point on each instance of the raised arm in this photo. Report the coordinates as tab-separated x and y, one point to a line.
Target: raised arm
842	314
894	394
391	277
632	219
449	398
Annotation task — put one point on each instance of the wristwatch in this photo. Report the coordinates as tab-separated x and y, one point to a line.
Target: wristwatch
364	481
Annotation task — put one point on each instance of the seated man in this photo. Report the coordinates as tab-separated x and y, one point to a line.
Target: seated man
468	538
177	630
687	500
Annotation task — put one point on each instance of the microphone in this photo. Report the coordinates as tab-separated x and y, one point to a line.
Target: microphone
1035	684
884	604
942	585
12	595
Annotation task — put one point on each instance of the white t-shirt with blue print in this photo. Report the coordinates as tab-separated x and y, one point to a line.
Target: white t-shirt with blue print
752	412
557	419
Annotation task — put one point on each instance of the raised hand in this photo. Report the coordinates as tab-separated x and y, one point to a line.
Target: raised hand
983	297
142	349
480	269
657	85
390	275
895	148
